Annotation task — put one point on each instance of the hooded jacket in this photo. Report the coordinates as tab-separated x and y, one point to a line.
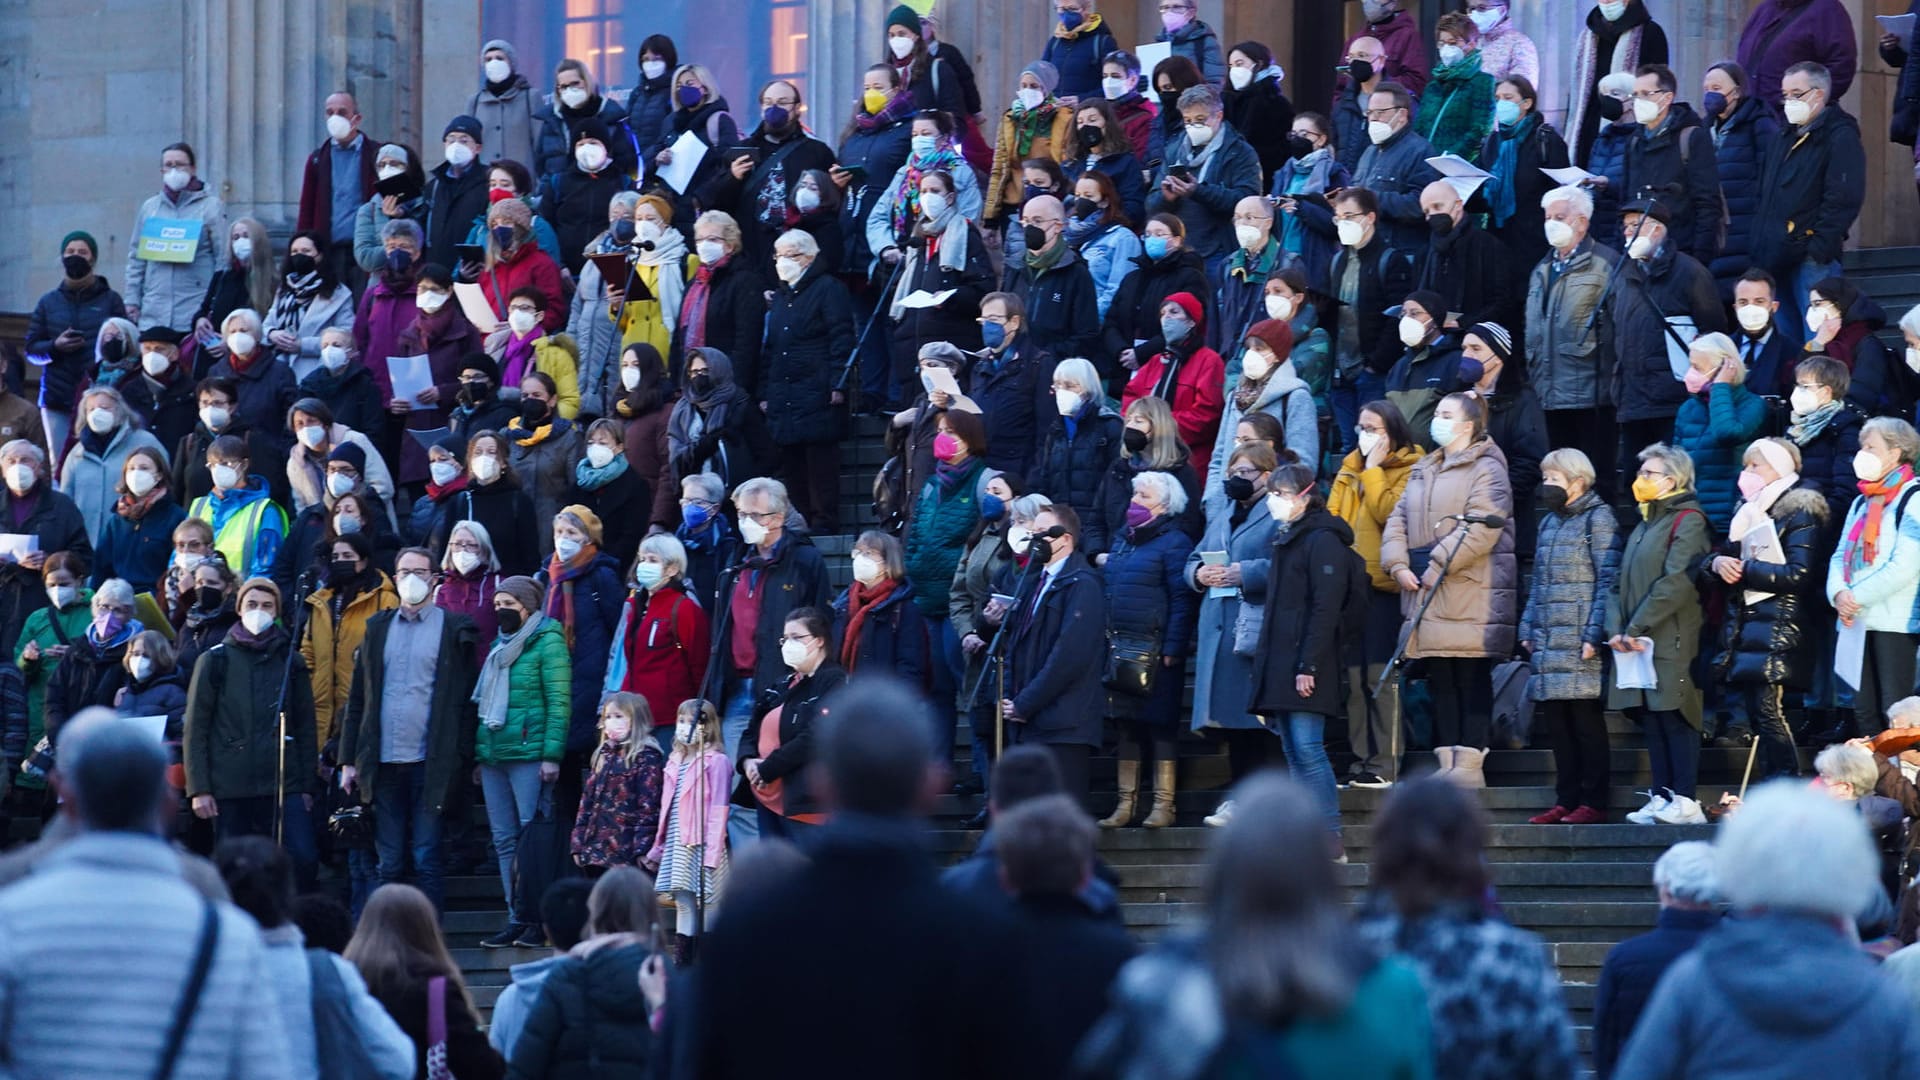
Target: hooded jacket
507	123
723	433
168	293
589	1021
229	733
1307	625
1476	606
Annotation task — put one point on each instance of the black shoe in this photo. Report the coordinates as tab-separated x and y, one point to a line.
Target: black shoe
967	785
531	937
1818	739
505	938
1737	738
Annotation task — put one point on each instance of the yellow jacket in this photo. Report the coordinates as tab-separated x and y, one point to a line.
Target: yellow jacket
642	320
1006	185
1364	498
558	358
328	648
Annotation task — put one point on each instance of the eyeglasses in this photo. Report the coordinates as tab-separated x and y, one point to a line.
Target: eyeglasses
780	103
428	574
801	640
1250	219
1800	95
1650	474
1164	8
1383	114
1349	217
997	320
766	516
1245	472
1649	95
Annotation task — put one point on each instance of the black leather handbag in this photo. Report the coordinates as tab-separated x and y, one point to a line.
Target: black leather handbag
1131	666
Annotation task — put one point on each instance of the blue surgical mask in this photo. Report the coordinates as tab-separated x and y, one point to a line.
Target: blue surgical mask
1156	247
647	574
992	507
1441	430
1506	112
923	145
993	334
1712	102
1174	329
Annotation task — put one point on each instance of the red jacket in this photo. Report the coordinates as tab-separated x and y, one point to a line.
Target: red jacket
316	188
1199	397
666	648
529	266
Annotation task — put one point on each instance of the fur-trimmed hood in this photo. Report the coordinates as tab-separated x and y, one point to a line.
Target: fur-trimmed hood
1801	498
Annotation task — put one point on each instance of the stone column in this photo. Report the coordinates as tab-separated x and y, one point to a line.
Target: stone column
844	38
1699	33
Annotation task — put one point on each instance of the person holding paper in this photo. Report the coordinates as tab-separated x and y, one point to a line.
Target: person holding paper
575	199
162	291
1521	145
659	271
1771	560
946	258
1654	600
392	301
1456	108
445	338
1874	575
155	684
39	522
682	158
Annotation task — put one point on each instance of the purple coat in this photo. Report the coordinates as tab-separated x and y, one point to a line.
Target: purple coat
385	312
449	340
1818	30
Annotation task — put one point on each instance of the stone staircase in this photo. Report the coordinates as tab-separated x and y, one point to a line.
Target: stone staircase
1890	275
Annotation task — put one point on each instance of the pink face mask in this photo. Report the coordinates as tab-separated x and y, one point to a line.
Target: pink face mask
1750	485
1697	380
946	446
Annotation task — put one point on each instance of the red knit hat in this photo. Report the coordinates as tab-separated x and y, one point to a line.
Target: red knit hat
1276	335
1196	311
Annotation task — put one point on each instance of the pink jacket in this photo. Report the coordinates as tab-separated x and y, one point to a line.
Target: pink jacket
711	820
1505	51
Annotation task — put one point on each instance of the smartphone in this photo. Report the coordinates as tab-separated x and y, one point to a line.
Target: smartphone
1182	173
476	253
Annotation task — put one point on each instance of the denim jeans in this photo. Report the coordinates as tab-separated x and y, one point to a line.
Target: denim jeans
773	826
512	793
742	826
253	816
406	825
1347	400
1303	735
946	664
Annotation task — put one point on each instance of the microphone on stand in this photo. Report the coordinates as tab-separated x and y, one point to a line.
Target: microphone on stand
1491	521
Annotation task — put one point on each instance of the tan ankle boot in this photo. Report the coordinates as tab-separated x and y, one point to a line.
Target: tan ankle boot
1122	815
1164	780
1467	771
1445	756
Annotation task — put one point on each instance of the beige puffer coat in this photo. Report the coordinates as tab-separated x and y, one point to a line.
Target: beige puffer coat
1474	612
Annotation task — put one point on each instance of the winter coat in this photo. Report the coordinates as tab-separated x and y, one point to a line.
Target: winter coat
1197	42
810	333
942	519
1241	299
1053	141
1133	319
1077	55
967	199
759	201
974	582
1739	1004
660	648
1782	33
468	1054
1073	462
1883	385
509	517
596	599
1223	679
895	638
307	472
955	320
620	807
544	470
1888	588
1631	971
1475	608
91	675
1811	190
1056	652
138	550
1608	158
451	721
1602	47
387	309
452	204
737	449
1190	380
1125	170
1740	145
369	250
229	736
1423	375
649	106
1473	272
331	312
1364	497
796	578
164	694
1573	572
528	265
1715	428
1284	397
1148	601
46	627
55	523
169	409
1826	460
1014	393
1308	231
1396	171
1307	626
507	123
353	395
472	595
1768	642
1227	172
560	129
1116	491
1385	276
1518	426
1455	111
882	153
594	336
736	320
1264	116
1405	47
1905	125
1672	285
330	647
168	293
538	702
1653	596
1570	367
1686	179
266	390
1062	305
575	204
1541	147
89	478
60	309
624	506
1350	123
588	1022
307	547
800	699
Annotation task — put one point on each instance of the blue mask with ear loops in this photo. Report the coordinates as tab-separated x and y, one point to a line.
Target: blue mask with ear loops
992	507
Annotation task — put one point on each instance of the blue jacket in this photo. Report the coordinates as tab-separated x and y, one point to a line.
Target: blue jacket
1609	159
978	876
1015	388
1072	463
1396	171
893	638
1078	60
1715	429
881	153
138	551
1147	595
1056	659
1109	254
1888	588
597	599
1631	971
1740	152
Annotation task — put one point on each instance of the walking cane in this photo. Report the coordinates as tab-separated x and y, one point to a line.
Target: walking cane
1753	750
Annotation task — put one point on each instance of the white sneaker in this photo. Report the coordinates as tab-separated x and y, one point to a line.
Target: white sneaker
1681	811
1656	802
1221	816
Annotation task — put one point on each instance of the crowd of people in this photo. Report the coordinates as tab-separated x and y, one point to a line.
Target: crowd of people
1208	416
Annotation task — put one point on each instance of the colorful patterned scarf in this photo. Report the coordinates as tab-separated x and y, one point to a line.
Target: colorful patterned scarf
906	197
1863	540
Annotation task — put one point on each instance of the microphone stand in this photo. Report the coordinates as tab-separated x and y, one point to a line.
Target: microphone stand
296	624
996	655
1399	656
1613	278
879	305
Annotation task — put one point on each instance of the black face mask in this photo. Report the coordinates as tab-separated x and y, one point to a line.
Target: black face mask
474	393
1085	208
112	350
209	598
1134	440
1553	497
1360	71
510	620
300	265
1035	236
342	570
1441	224
1040	550
533	413
1170	102
76	266
1089	136
1611	108
1298	145
1030	192
1238	488
700	384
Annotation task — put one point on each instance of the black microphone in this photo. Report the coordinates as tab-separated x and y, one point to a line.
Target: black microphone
1491	521
642	245
1054	533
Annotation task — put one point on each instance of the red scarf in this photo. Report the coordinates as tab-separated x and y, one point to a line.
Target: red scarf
133	509
693	309
860	603
560	577
439	494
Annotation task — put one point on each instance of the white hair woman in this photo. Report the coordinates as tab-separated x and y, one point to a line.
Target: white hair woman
263	394
1687	880
661	645
1873	578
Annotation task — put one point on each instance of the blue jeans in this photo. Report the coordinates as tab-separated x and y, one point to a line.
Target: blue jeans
1304	737
253	816
1792	321
405	824
1347	400
742	826
512	793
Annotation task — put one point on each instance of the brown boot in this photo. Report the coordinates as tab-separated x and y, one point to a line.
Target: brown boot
1164	780
1122	815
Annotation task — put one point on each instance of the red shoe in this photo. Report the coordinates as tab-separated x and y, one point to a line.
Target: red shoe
1584	815
1551	817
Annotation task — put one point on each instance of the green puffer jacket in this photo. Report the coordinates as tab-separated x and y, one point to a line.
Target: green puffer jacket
539	700
938	537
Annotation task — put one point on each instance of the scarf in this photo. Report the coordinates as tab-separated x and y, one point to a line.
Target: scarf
1247	394
560	578
588	478
95	442
1587	73
906	194
490	692
437	493
946	237
1030	124
1505	163
292	300
1041	262
1647	508
521	437
242	364
669	255
693	310
1804	429
1081	230
517	358
265	641
133	509
1753	512
1863	540
860	603
897	108
949	474
1089	25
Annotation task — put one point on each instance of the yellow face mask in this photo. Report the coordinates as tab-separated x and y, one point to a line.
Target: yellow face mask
1646	489
874	100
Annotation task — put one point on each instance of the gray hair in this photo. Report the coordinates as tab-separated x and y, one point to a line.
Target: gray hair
1027	507
1897	433
249	321
624	202
668	549
798	242
710	487
113	770
1679	463
26	448
774	490
1817	74
1163	487
1081	372
1910	322
1689	873
116	402
403	229
1203	95
1571	463
1853	766
480	536
1578	197
1899	712
1721	348
1793	849
115	591
893	558
729	228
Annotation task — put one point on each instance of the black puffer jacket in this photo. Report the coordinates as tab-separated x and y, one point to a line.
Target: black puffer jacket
61	309
736	320
1826	460
575	204
809	335
1134	314
1767	642
1071	468
954	320
1306	626
1669	285
589	1021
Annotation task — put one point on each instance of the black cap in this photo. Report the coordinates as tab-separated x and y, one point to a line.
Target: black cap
1652	208
466	125
163	335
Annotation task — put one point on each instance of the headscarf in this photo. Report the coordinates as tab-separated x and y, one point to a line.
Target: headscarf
906	196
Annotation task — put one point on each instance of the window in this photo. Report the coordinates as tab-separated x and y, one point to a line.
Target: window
787	44
591	32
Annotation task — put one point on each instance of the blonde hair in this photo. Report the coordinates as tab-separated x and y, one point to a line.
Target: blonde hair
636	709
1164	448
706	727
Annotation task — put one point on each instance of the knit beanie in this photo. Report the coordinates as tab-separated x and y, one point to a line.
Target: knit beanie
1275	334
1431	302
524	590
587	520
904	16
465	125
93	246
593	128
352	455
1496	338
1048	75
510	212
482	363
660	206
1189	304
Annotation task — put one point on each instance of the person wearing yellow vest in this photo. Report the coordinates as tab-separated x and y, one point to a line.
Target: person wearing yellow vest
248	526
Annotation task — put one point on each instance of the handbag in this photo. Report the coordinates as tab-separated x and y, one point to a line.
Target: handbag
437	1029
1248	622
1130	667
542	856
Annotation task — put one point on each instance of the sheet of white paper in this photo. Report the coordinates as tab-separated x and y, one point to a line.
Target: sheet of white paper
1218	558
411	374
1151	54
1634	670
688	152
1900	26
1761	544
1460	174
944	382
1850	652
1572	174
1679	343
474	305
921	298
14	545
153	725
